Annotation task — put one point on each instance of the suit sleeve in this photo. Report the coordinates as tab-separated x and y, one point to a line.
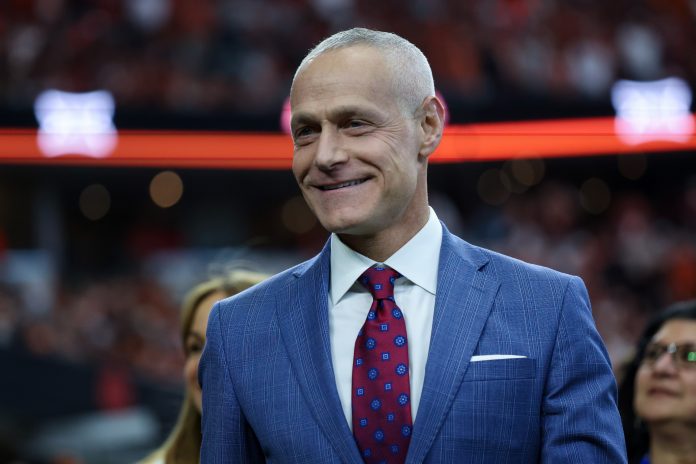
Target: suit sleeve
580	419
227	436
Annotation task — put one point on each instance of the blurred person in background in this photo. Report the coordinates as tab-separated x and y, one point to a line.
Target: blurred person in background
657	397
184	442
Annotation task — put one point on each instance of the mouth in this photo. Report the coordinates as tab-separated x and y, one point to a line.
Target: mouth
661	391
341	185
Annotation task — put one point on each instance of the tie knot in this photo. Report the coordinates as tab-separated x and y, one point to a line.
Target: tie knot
379	281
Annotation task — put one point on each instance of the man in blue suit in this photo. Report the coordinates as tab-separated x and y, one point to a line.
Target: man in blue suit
500	360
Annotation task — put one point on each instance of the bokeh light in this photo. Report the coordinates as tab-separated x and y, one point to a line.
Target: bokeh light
491	188
95	202
527	172
166	189
595	196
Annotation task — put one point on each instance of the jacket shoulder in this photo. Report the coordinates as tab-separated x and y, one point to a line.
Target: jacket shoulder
264	294
506	268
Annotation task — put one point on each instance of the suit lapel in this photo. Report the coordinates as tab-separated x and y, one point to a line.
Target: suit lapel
466	290
305	331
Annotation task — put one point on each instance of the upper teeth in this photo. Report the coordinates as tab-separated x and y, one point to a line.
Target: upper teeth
344	184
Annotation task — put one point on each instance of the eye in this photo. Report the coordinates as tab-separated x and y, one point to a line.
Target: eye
687	354
302	133
653	352
356	126
194	346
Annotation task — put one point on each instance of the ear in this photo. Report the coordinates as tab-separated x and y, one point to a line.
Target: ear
432	124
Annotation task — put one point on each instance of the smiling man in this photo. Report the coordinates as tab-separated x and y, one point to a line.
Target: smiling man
361	147
399	342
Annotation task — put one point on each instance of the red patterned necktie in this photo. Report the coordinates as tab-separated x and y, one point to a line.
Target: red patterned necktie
380	389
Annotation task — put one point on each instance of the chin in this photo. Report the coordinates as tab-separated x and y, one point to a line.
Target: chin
341	224
660	415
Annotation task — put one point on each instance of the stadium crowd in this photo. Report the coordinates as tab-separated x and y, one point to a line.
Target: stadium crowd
197	57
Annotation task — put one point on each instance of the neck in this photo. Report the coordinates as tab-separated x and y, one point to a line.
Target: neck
383	244
672	444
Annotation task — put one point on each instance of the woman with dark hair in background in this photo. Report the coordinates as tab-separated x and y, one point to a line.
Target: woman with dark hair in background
657	397
184	443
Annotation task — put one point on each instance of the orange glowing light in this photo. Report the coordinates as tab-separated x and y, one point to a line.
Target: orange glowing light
460	143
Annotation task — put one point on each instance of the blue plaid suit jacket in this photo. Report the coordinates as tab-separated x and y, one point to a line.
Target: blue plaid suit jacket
269	393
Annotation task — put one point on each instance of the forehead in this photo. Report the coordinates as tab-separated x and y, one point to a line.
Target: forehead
346	74
677	330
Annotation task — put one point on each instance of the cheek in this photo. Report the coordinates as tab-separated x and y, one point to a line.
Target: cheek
299	164
403	180
690	382
191	369
642	375
640	388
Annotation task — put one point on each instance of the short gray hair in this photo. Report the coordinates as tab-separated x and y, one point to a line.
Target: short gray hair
413	78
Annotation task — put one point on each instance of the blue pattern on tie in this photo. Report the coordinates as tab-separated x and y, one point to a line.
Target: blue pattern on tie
381	400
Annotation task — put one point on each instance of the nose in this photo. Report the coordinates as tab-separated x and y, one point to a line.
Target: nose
330	151
665	364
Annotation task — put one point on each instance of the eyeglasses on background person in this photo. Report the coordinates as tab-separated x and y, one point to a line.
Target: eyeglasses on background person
683	355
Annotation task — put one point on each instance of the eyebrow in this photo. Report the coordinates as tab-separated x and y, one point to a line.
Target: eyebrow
338	113
300	120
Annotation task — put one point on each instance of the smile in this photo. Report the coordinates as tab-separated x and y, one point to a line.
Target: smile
350	183
662	391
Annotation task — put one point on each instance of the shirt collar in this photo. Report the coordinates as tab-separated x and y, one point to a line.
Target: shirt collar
417	260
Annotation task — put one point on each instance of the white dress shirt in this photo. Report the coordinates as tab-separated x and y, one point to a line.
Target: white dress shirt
417	261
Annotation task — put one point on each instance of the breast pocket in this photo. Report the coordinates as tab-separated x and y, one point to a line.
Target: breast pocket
501	369
497	407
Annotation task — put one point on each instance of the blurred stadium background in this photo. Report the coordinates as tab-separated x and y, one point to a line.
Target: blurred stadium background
96	253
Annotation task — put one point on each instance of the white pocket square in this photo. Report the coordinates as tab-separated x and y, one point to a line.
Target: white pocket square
494	357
